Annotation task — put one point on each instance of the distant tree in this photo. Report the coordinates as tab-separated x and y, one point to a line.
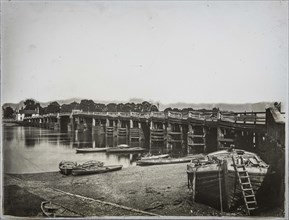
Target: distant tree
99	107
30	104
146	106
66	108
40	109
120	107
138	107
176	110
132	107
168	109
74	106
70	107
8	112
111	107
87	105
187	109
127	107
154	108
53	107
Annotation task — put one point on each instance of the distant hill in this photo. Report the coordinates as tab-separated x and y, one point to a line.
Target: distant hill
256	107
260	106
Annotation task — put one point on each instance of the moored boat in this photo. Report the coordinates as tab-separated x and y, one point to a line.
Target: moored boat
90	150
124	149
226	178
149	157
79	170
53	210
162	161
66	167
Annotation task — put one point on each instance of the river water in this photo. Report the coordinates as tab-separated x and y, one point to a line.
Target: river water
33	150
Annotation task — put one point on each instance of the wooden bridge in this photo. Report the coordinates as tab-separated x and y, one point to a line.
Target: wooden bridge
194	131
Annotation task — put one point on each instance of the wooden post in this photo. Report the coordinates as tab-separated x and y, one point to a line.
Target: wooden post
194	185
225	177
219	135
204	140
220	187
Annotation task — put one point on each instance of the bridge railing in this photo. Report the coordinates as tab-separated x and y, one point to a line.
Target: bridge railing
244	117
65	113
251	118
112	114
144	115
124	114
158	115
134	114
177	115
196	115
232	117
100	113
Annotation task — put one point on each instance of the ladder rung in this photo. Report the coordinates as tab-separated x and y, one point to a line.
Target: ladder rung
197	135
243	177
242	171
246	183
251	208
248	196
251	202
247	189
240	166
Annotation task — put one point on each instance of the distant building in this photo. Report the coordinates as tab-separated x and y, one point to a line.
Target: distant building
21	114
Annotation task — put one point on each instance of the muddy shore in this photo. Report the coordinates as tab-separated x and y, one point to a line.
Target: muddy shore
160	190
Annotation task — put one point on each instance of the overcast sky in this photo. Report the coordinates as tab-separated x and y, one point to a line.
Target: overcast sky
165	51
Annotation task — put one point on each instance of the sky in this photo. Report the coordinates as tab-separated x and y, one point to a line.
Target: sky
167	51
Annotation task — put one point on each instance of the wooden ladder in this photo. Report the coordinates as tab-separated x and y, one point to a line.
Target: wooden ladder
245	184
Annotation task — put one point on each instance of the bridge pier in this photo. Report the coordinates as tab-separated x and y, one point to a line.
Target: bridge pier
135	131
109	127
122	130
225	137
157	132
197	139
70	124
246	140
97	127
80	125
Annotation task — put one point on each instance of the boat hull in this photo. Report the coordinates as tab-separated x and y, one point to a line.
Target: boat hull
90	150
66	167
217	184
163	161
95	170
125	150
155	157
53	210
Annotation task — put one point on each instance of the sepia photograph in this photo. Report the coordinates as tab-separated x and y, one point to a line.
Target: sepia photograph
144	109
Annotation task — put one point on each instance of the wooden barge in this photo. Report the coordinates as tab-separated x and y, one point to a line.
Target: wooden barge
226	178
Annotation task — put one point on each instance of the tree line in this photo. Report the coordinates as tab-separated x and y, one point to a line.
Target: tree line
88	105
85	105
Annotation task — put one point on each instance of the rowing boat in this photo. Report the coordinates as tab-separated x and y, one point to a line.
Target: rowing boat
120	149
163	161
53	210
90	150
79	170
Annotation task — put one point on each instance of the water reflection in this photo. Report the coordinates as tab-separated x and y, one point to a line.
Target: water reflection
29	149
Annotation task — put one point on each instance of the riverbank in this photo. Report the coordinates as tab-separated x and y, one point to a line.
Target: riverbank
133	191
